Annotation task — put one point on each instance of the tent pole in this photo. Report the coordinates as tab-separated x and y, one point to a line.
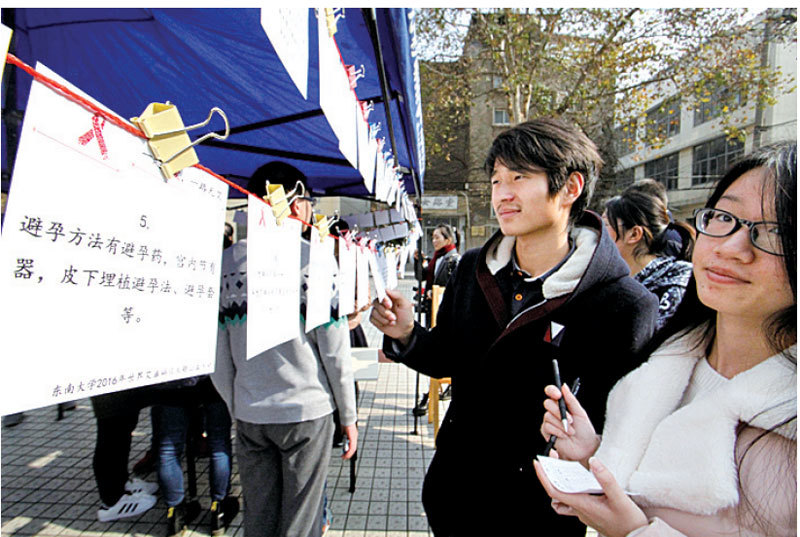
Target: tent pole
372	26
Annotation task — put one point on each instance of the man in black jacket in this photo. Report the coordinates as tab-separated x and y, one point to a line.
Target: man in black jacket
551	261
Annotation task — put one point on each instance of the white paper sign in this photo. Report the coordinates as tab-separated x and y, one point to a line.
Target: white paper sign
321	274
366	153
391	269
347	278
400	230
287	30
110	275
273	278
363	220
336	99
362	277
380	178
436	203
381	218
347	129
403	257
377	275
395	216
5	41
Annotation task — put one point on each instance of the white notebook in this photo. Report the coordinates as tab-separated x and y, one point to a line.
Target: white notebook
569	476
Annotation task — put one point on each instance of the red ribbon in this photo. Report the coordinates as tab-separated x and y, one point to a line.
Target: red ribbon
352	75
98	122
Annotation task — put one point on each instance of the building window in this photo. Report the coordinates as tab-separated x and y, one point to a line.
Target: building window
664	170
625	139
712	104
624	178
500	117
497	82
711	159
664	120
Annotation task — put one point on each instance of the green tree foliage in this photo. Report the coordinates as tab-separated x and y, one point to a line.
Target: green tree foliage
600	68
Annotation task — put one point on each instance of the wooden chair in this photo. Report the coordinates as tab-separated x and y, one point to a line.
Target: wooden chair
436	384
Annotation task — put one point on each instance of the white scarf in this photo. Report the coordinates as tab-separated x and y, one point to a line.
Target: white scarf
684	458
566	278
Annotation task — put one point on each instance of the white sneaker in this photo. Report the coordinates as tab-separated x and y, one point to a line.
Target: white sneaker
127	506
136	485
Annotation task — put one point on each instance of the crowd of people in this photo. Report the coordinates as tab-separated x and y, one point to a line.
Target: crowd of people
684	341
683	338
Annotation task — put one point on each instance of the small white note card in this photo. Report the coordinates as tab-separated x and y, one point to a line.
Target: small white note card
569	476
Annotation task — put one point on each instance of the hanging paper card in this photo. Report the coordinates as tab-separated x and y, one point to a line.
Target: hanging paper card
273	278
372	150
403	257
347	277
347	129
395	216
381	218
377	275
400	230
321	278
106	293
5	41
366	157
391	269
336	98
363	220
362	277
287	30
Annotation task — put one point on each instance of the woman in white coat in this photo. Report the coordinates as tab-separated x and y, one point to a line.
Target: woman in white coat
703	435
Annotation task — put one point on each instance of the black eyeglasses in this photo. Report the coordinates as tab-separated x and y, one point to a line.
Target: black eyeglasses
765	236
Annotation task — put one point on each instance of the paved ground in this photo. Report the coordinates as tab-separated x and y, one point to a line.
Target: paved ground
47	487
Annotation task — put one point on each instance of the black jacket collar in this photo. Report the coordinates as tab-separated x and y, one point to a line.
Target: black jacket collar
605	265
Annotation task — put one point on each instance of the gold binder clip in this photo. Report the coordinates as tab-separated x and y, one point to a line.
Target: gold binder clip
332	16
167	138
322	224
277	200
281	201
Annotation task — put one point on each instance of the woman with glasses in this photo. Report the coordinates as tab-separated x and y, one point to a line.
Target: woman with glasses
701	439
640	225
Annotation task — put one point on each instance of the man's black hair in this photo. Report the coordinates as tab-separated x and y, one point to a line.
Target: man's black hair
277	173
553	146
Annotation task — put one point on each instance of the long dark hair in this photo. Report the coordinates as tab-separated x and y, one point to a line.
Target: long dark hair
640	208
779	162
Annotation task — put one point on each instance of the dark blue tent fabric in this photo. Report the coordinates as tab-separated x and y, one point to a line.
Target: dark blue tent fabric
200	58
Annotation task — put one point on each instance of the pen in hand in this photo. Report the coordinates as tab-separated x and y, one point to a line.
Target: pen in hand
552	442
562	406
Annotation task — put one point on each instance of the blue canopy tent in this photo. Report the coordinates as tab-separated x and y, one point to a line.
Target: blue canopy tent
201	58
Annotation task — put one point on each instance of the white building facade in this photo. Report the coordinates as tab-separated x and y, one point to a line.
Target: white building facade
697	152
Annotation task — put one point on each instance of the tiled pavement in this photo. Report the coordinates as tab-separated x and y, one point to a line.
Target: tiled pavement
47	486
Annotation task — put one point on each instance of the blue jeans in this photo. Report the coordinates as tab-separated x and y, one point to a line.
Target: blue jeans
173	425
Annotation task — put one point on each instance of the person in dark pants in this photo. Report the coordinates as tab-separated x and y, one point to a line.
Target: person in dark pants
117	414
283	398
551	265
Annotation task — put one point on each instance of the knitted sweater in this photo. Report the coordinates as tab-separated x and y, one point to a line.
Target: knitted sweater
299	380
